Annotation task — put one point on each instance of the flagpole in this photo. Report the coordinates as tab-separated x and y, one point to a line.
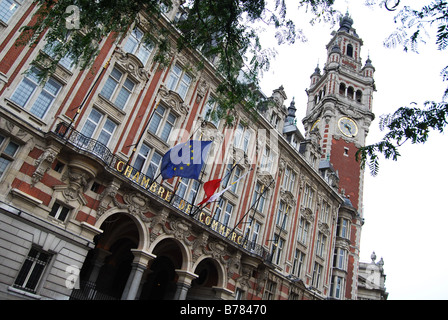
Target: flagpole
134	149
255	203
88	94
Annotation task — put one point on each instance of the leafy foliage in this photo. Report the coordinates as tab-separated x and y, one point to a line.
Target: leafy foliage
411	123
225	28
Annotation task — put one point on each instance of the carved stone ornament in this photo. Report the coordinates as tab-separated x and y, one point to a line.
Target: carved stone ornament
307	214
180	229
136	204
200	246
287	197
173	100
43	163
132	65
202	89
110	191
77	184
324	228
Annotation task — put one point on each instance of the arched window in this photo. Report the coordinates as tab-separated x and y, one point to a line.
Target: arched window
358	95
342	89
350	92
350	50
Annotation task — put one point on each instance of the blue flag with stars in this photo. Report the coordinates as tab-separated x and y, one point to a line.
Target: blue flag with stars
185	160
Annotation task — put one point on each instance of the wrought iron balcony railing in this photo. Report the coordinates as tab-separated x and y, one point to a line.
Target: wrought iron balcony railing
97	149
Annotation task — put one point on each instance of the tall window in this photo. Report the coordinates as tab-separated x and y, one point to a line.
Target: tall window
148	160
277	249
242	137
118	88
336	287
320	245
99	127
342	229
188	189
317	273
179	81
66	61
304	227
252	231
325	212
136	45
210	107
260	196
308	197
7	9
231	176
34	97
340	258
267	159
223	212
32	270
162	123
289	179
299	260
269	290
282	215
8	150
350	50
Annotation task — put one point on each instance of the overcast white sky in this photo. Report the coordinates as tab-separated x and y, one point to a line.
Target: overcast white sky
404	206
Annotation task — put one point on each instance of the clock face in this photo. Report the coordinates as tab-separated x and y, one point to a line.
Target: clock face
348	127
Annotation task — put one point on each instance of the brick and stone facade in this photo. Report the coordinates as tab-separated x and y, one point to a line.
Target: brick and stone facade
85	214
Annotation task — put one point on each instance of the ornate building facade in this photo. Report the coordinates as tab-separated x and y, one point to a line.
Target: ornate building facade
85	214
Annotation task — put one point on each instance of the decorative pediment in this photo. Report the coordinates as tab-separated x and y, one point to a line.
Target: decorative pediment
307	214
288	197
173	100
132	65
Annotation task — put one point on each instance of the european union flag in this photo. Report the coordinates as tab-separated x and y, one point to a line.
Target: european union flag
185	160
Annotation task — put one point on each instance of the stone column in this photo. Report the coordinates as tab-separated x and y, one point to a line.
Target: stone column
139	265
100	257
183	283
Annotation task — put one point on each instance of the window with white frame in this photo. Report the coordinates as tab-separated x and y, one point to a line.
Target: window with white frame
336	287
320	245
7	9
118	88
282	215
303	230
325	212
277	249
60	212
179	81
36	98
242	137
231	176
188	189
269	290
252	232
340	258
223	211
260	196
66	61
8	151
308	197
267	159
99	127
210	107
289	179
32	270
317	274
298	263
342	229
136	45
162	123
148	160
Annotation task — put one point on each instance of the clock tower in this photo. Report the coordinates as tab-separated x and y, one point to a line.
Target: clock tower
340	108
